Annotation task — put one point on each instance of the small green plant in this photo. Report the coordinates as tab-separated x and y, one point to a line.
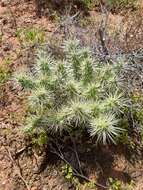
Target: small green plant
137	101
74	94
120	4
86	3
40	140
114	184
86	186
30	36
5	70
67	172
137	109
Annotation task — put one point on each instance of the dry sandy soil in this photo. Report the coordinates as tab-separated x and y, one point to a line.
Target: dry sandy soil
20	171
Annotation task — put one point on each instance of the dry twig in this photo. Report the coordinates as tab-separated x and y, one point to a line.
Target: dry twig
75	171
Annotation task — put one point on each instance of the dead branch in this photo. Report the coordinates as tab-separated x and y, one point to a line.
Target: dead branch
75	151
21	151
75	171
102	30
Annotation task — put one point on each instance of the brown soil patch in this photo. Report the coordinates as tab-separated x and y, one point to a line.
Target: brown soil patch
22	13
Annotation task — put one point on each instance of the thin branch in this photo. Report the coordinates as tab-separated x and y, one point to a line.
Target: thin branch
77	157
19	152
102	31
75	172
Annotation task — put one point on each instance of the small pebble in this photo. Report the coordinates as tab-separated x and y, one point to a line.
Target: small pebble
3	3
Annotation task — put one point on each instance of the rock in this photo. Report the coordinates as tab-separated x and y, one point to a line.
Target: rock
7	47
3	3
5	21
45	187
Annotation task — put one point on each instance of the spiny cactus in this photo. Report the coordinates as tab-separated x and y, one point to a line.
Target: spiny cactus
74	93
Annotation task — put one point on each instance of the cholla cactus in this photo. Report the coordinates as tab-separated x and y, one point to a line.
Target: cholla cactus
74	93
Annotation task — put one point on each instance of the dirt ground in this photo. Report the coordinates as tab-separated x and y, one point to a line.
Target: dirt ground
22	172
12	16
